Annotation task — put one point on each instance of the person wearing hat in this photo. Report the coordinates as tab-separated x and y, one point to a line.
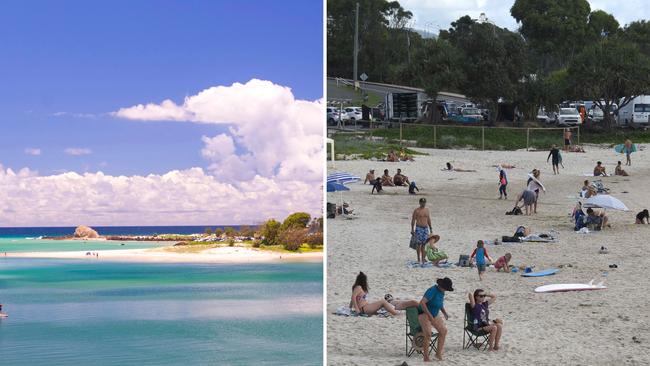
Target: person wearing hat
370	177
429	309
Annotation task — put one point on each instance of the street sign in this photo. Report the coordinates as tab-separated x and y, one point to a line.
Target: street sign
363	77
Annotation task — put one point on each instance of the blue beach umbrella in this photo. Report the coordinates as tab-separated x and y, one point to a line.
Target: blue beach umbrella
335	187
342	178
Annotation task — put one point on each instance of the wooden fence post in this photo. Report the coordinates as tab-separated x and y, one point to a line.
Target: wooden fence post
400	134
483	137
434	136
527	138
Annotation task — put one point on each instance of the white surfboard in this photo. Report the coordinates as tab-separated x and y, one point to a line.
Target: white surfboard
3	315
530	175
565	287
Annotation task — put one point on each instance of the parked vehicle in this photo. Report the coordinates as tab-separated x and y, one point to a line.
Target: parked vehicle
333	115
404	106
353	113
595	115
636	112
568	117
468	115
542	116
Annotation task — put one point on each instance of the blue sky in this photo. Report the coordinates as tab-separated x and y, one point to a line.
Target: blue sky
79	58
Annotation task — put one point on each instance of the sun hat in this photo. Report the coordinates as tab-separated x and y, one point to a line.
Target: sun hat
445	284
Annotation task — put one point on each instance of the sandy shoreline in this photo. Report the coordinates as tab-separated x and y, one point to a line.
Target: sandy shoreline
231	255
579	328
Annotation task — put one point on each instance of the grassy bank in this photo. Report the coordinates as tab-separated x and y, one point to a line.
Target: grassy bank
378	142
199	246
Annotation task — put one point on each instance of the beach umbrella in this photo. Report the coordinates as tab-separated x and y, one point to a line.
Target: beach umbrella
605	201
342	178
335	187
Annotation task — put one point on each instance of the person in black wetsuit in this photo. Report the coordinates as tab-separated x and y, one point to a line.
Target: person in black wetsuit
555	153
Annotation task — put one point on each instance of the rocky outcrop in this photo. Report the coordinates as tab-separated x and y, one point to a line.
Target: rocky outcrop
85	232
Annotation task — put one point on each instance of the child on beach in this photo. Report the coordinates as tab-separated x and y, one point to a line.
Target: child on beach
479	302
503	183
643	216
503	263
413	188
434	255
481	254
376	186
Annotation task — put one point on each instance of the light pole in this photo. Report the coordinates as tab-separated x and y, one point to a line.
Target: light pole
356	47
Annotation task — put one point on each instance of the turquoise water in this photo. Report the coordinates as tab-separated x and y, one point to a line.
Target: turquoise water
10	245
70	312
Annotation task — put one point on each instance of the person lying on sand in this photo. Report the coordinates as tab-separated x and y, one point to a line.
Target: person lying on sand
400	179
370	177
504	166
576	148
345	209
503	263
392	157
599	170
619	170
429	309
434	255
376	186
450	168
386	179
588	190
404	157
643	217
596	220
479	302
359	303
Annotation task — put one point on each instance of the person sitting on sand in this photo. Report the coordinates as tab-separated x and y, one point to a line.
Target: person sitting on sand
434	255
479	302
429	309
643	216
599	170
619	170
376	186
596	220
404	157
386	179
451	168
503	263
359	303
392	157
413	188
400	179
588	190
481	254
370	177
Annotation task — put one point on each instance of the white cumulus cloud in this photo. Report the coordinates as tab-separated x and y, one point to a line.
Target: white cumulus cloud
32	151
77	151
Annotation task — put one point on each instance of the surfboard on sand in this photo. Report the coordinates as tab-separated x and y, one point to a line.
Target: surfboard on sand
565	287
544	272
620	148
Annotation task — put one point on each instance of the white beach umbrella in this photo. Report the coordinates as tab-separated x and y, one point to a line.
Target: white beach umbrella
605	201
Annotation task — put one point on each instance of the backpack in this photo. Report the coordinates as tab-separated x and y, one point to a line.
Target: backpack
515	211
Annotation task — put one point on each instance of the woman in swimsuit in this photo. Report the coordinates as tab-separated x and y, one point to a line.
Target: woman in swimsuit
360	304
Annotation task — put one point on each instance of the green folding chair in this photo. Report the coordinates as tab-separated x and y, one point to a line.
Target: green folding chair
478	339
414	334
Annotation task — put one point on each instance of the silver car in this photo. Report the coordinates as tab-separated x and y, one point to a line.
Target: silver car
568	117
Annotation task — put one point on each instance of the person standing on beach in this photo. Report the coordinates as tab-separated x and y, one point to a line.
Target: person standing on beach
567	140
628	151
555	153
429	309
420	227
503	183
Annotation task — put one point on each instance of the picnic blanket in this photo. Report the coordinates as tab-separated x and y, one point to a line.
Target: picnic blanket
347	311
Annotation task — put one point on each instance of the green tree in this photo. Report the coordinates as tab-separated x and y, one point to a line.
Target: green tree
230	231
298	220
246	230
208	231
218	232
270	230
638	33
608	72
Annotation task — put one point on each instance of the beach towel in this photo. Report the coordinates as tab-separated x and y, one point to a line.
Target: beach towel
539	238
416	264
584	230
346	311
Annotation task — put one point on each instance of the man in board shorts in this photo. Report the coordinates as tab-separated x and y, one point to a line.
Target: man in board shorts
420	227
567	139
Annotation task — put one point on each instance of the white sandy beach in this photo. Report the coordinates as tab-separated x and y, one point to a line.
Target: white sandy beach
574	328
231	255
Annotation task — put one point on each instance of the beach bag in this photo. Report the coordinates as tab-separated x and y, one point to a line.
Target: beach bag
434	255
414	242
463	260
515	211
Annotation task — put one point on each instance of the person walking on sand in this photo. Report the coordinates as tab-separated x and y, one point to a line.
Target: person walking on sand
429	309
479	302
420	227
555	153
628	151
567	140
503	183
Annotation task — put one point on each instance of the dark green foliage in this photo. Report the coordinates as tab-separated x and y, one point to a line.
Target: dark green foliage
298	220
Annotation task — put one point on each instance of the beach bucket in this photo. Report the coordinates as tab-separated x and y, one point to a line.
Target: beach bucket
528	270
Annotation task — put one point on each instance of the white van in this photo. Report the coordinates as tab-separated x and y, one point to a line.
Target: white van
636	112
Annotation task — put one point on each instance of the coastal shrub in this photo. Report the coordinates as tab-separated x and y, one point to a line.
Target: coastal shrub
296	220
292	239
208	231
230	231
315	239
231	242
218	232
257	243
269	231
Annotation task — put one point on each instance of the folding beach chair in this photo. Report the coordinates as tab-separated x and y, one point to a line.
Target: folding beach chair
415	336
478	339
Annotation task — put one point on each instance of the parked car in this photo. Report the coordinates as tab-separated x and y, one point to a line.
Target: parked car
595	115
636	112
353	113
467	115
568	117
542	116
333	115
